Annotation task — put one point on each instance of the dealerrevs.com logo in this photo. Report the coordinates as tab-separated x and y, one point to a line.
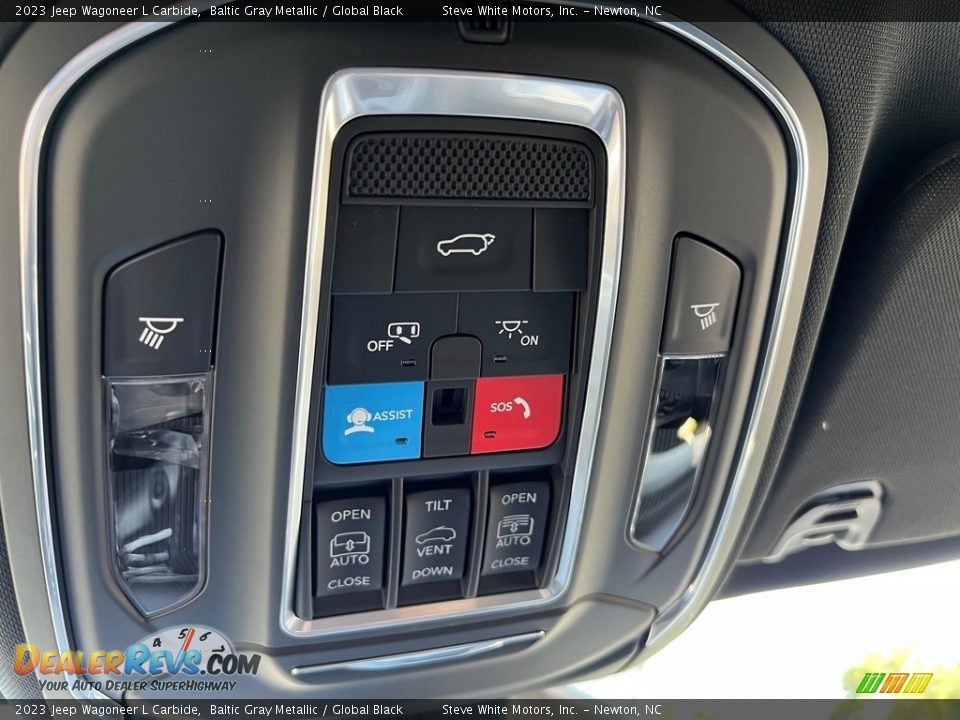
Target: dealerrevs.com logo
170	660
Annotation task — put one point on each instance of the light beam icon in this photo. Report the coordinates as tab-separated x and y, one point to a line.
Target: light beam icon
707	314
156	328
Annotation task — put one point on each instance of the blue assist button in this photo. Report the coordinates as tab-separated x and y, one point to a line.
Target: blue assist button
372	423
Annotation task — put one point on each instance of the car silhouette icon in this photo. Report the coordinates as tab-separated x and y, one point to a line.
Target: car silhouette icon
436	535
471	243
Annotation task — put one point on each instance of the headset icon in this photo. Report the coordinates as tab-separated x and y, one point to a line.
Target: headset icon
358	419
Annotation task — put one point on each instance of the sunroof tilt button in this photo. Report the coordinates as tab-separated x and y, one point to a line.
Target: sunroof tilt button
435	544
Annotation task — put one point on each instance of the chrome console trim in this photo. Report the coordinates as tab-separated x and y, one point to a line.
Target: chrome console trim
354	93
424	657
786	308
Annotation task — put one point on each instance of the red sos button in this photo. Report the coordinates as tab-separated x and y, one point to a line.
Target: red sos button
516	413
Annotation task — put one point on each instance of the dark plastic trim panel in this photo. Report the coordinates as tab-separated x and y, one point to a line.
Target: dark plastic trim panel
786	306
31	154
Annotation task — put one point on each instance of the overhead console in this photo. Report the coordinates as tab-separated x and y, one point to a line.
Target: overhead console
432	353
462	258
460	274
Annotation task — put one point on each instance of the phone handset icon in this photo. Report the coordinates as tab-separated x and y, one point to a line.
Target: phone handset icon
525	405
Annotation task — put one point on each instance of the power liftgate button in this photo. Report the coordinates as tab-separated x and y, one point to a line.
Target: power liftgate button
463	249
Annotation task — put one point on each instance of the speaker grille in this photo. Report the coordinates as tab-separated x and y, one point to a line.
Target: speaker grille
468	167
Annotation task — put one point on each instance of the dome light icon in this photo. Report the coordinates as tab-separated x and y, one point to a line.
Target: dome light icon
509	327
358	419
